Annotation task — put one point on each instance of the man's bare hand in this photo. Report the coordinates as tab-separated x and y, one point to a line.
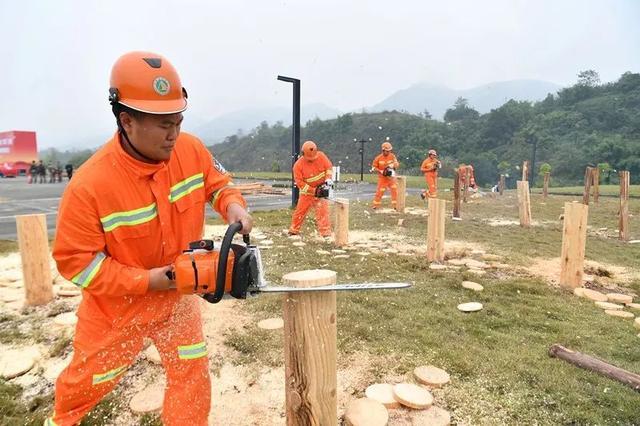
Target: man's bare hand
158	279
237	213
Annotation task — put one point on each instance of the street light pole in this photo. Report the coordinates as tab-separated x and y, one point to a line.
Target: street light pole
361	151
295	140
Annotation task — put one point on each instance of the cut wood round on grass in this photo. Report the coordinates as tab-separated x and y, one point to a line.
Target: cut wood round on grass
619	313
66	319
619	298
594	295
437	267
412	396
383	393
433	416
472	286
635	306
431	376
298	243
607	305
579	291
271	324
470	307
366	412
636	323
15	363
323	252
148	400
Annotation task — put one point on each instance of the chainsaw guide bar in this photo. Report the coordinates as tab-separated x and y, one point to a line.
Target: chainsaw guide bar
337	287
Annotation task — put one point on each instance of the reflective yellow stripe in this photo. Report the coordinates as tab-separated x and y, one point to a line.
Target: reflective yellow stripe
197	350
109	375
84	278
129	218
216	194
50	422
186	187
315	178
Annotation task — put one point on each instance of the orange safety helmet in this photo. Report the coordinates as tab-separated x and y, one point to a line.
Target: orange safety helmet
147	82
309	150
386	146
433	152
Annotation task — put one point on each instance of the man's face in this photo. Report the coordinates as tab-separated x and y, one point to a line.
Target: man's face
153	135
385	152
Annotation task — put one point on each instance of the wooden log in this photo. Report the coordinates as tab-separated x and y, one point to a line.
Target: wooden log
593	364
33	242
623	223
310	350
574	237
545	185
501	185
525	171
467	176
456	193
401	181
588	176
595	179
341	233
435	230
524	203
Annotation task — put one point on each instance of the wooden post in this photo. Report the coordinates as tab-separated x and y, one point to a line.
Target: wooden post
310	350
593	364
588	176
596	184
435	230
623	224
501	184
525	171
401	182
456	193
465	188
342	222
33	242
545	185
574	238
524	203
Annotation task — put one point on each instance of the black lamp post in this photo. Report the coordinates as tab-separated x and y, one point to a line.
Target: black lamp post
295	141
361	151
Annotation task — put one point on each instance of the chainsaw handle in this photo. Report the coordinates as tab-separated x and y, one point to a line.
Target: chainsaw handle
222	262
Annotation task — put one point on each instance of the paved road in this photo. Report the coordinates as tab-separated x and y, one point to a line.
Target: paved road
17	197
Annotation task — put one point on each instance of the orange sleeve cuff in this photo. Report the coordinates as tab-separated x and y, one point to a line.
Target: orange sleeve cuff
228	196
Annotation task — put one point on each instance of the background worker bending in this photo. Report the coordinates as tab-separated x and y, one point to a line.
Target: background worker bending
385	164
430	167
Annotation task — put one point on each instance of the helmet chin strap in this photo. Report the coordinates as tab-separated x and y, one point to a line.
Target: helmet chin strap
126	138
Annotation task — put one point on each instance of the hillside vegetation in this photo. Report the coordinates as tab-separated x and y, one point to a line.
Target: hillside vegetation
587	123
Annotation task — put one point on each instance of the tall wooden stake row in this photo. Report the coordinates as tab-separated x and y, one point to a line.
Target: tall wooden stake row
401	181
465	189
435	230
596	184
588	178
524	203
33	242
545	185
501	185
310	350
341	233
525	171
623	224
456	193
574	237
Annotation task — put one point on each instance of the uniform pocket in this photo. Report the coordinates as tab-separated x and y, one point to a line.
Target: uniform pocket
122	233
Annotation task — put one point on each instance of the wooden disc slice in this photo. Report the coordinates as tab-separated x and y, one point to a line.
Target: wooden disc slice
618	313
390	251
478	271
271	323
470	307
8	295
366	412
412	396
578	291
437	267
66	319
433	416
607	305
363	253
152	354
148	400
475	264
634	306
299	243
338	251
619	298
594	295
383	393
472	286
15	363
323	252
266	242
431	376
341	256
636	323
456	262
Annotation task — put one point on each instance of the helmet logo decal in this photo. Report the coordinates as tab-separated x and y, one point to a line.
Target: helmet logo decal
161	86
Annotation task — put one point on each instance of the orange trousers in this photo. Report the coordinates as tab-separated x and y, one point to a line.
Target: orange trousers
385	182
103	353
321	205
432	184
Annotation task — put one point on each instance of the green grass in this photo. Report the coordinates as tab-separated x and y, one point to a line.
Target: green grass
606	190
7	246
501	372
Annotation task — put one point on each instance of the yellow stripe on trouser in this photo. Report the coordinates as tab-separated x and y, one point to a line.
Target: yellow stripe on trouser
109	375
50	422
197	350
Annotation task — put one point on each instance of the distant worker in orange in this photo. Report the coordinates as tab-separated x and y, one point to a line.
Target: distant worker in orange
462	173
313	176
430	168
127	214
385	164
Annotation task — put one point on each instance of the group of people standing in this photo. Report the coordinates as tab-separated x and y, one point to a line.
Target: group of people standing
38	172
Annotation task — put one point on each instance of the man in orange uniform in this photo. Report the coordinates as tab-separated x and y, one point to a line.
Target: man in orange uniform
430	168
125	217
312	171
385	164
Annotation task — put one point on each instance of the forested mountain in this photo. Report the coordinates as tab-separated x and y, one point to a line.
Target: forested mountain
587	123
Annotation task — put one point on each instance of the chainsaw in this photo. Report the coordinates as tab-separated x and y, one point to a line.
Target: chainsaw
236	270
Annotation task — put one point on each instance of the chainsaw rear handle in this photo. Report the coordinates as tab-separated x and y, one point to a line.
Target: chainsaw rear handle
218	294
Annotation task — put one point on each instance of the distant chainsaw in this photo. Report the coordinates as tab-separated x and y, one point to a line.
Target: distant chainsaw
236	270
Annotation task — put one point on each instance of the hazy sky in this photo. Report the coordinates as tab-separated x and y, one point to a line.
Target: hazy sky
56	56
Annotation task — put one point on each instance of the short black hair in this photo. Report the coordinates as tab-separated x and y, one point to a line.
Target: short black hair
117	108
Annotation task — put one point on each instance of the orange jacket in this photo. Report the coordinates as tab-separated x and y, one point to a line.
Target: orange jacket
381	162
429	165
120	217
310	174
